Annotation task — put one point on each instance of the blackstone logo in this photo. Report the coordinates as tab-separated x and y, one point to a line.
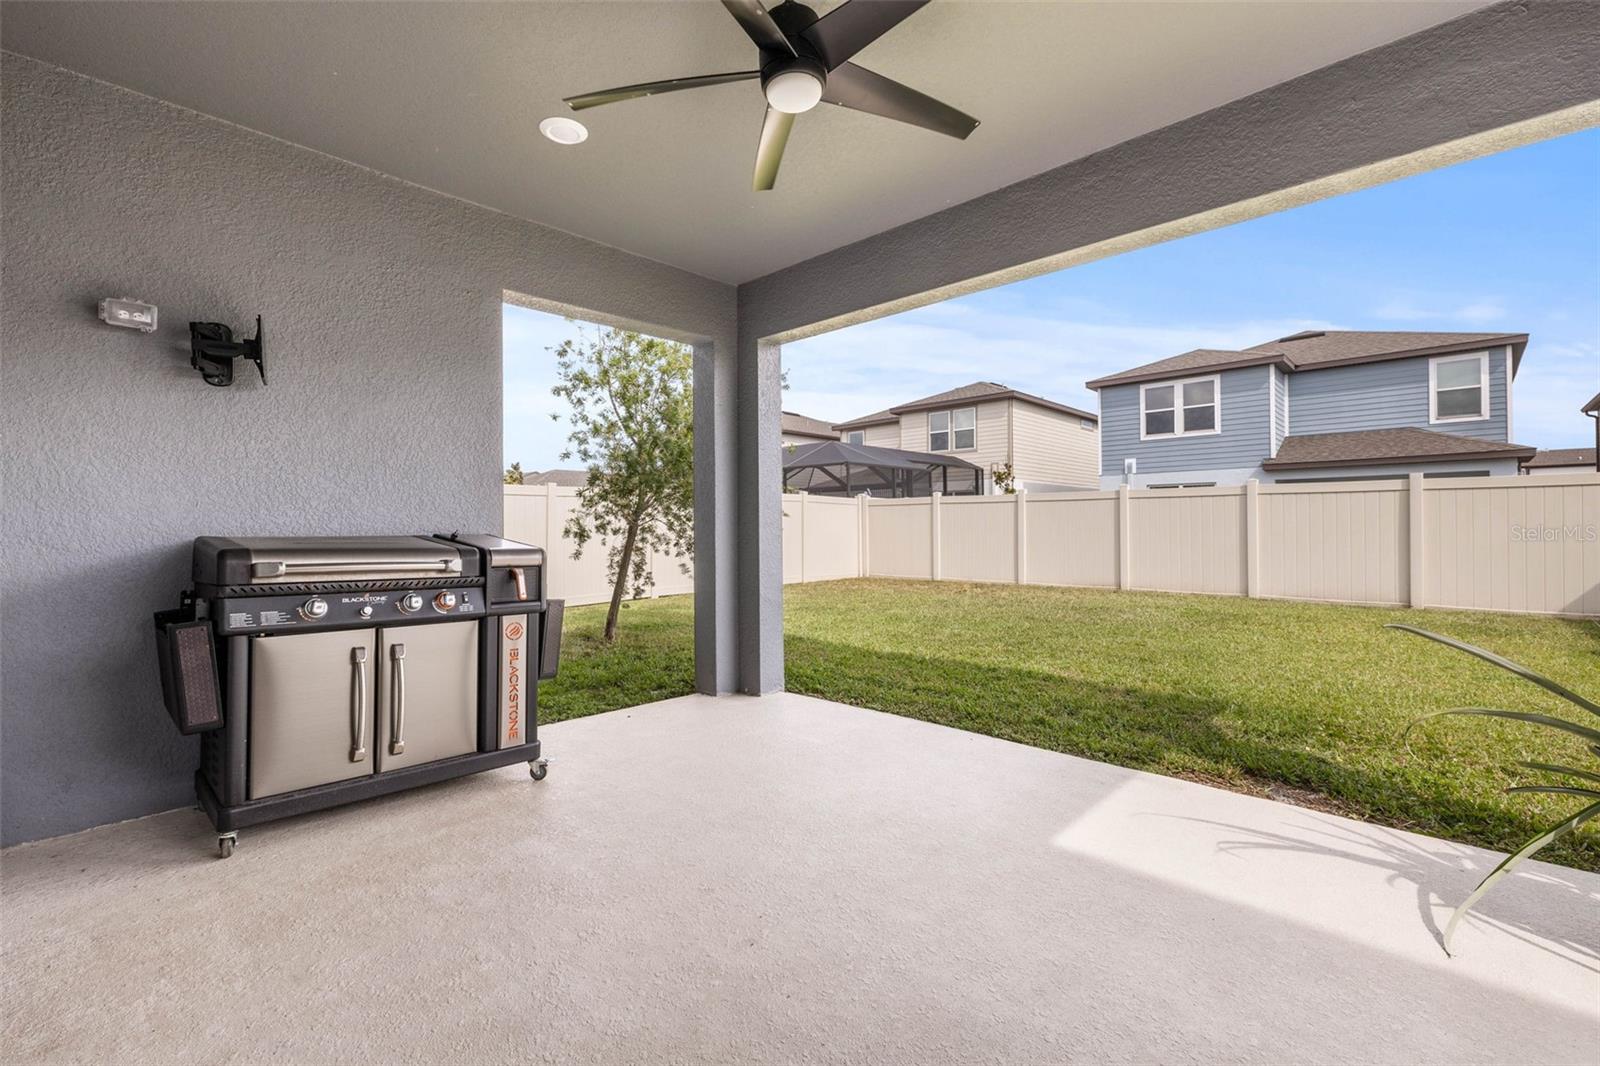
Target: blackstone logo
1581	534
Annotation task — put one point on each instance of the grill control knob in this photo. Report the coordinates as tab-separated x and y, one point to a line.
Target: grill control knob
313	609
366	611
445	601
410	602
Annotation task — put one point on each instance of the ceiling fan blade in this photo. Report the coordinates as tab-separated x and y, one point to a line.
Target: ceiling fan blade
769	153
759	26
651	88
860	89
853	25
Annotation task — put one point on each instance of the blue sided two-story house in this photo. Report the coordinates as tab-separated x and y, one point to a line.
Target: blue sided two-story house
1331	405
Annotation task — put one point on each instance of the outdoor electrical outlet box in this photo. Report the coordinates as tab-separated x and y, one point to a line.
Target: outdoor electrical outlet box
121	311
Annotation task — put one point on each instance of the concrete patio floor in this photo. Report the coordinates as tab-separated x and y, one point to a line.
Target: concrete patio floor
786	879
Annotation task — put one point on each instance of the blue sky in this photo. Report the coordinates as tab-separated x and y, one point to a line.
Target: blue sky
1508	242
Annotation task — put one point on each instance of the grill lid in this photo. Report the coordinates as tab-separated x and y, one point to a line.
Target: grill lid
290	560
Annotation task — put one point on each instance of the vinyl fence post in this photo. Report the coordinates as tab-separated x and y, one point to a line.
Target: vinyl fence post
549	515
551	530
933	526
1252	538
1022	536
863	536
802	537
1414	547
1124	540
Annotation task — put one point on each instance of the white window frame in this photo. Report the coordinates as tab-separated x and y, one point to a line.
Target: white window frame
1483	387
950	423
856	436
1177	385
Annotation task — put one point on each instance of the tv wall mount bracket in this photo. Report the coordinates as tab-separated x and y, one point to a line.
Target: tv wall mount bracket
214	350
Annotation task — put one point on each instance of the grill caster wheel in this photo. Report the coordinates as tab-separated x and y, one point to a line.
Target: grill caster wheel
537	770
225	844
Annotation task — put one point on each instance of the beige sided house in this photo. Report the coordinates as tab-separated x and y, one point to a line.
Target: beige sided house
1051	447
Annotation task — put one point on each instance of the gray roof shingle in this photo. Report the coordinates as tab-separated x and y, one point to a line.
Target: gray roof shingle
1562	457
1366	447
1320	348
802	426
566	479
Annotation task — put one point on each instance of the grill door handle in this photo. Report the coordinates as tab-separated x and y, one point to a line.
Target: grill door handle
397	700
358	704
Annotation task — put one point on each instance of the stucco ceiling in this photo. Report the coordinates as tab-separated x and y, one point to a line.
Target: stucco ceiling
449	96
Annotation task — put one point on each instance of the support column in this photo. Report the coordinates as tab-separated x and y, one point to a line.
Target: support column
758	504
716	573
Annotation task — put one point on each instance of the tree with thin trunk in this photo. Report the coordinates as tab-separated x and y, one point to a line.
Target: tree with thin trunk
631	408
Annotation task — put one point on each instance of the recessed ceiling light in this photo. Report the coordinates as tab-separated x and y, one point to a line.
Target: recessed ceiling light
564	130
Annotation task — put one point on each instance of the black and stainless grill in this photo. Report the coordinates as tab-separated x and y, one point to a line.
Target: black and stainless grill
321	670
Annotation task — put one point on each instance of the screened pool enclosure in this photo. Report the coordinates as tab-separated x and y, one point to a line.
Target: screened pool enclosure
834	468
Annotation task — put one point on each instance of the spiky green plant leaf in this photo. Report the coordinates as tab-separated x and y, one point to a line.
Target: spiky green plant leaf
1590	736
1565	790
1504	664
1546	720
1510	862
1571	771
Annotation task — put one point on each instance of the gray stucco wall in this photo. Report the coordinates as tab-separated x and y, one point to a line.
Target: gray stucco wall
1245	439
1385	395
382	311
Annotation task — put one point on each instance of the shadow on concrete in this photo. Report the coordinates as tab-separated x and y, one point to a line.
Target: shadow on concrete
1437	872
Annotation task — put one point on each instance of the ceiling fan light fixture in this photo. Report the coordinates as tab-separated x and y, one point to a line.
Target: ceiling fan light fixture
793	91
804	61
563	130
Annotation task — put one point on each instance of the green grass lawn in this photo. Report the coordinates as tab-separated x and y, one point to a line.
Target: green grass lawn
1305	702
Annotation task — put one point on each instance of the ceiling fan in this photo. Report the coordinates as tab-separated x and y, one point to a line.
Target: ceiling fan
806	61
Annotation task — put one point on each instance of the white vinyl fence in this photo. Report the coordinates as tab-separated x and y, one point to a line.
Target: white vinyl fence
821	542
1487	543
1491	543
537	514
